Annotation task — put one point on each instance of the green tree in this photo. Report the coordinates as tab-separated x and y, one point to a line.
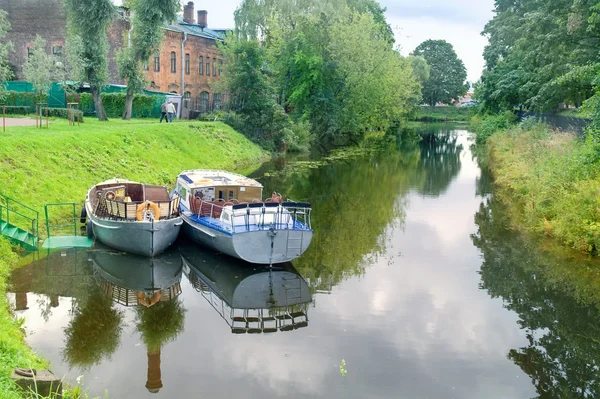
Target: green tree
89	20
447	82
39	69
5	48
149	18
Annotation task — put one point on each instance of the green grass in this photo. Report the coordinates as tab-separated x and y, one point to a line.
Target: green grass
551	182
443	114
14	352
59	164
574	113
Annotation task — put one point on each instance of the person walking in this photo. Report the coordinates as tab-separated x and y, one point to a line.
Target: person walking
170	110
163	112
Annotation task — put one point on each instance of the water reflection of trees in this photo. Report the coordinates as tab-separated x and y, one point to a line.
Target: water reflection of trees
560	315
94	331
360	198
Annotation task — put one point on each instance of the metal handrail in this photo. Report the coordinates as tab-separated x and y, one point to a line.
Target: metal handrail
48	225
34	220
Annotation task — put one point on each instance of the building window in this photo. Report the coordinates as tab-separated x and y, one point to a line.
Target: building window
173	62
214	67
216	101
207	66
187	64
156	61
186	99
201	68
146	65
204	102
57	51
29	52
220	67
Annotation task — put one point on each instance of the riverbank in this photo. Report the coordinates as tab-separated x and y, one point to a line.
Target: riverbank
550	183
40	166
442	114
14	352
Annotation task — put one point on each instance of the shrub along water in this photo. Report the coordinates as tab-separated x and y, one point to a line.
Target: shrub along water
550	181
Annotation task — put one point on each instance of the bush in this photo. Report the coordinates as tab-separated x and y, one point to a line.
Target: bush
62	113
114	104
485	126
19	99
86	103
16	110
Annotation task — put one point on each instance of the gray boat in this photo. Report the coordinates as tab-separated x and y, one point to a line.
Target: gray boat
251	300
225	211
133	217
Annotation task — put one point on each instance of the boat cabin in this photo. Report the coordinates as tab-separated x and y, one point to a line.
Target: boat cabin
217	186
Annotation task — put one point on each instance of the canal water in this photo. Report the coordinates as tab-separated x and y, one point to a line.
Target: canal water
412	288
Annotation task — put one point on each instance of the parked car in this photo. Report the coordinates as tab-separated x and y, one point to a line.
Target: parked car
469	104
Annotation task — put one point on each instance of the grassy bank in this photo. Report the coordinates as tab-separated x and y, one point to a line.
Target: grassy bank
443	114
39	166
551	182
14	352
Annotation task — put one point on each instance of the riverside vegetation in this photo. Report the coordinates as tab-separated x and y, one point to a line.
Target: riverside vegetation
58	165
550	180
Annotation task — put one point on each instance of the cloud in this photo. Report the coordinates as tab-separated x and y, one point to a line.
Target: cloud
456	11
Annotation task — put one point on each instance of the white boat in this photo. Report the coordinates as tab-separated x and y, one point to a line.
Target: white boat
225	211
133	217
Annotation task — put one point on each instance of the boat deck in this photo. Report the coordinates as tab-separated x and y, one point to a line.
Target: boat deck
217	224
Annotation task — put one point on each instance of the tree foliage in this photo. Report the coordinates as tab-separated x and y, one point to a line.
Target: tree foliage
148	19
39	69
89	20
541	54
448	75
329	64
5	48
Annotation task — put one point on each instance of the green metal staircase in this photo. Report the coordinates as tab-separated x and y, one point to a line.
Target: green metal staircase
19	223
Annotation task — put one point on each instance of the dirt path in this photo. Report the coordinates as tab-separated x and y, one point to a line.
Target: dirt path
20	122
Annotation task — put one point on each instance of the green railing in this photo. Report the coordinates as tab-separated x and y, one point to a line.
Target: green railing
71	222
20	215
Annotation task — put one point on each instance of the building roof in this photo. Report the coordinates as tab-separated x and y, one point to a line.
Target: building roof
195	30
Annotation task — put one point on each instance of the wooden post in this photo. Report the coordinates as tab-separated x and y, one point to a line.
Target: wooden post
36	115
4	118
47	117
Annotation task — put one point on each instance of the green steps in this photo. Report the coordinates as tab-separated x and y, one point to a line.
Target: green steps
18	236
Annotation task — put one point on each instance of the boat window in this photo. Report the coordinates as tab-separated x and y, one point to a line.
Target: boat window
183	192
231	195
226	217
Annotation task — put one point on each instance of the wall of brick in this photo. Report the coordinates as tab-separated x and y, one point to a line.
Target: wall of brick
28	18
47	18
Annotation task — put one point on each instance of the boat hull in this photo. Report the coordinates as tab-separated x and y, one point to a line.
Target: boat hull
261	246
141	238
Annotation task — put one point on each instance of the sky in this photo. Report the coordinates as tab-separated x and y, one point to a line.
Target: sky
459	22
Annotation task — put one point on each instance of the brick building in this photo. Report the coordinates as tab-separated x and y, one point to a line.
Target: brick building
187	62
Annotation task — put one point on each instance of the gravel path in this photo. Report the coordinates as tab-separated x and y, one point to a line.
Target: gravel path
19	122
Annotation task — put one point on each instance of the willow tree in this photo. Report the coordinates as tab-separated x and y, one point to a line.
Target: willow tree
89	20
149	18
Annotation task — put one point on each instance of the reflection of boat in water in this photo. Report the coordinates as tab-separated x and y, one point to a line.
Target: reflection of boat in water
251	300
132	280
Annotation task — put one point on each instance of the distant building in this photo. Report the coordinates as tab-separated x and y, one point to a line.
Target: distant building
187	62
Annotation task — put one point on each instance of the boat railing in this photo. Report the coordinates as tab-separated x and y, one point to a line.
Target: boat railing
279	215
128	210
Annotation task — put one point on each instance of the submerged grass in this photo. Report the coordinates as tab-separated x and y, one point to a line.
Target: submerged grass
13	350
551	182
59	164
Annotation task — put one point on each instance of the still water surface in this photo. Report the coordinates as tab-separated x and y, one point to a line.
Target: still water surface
412	280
